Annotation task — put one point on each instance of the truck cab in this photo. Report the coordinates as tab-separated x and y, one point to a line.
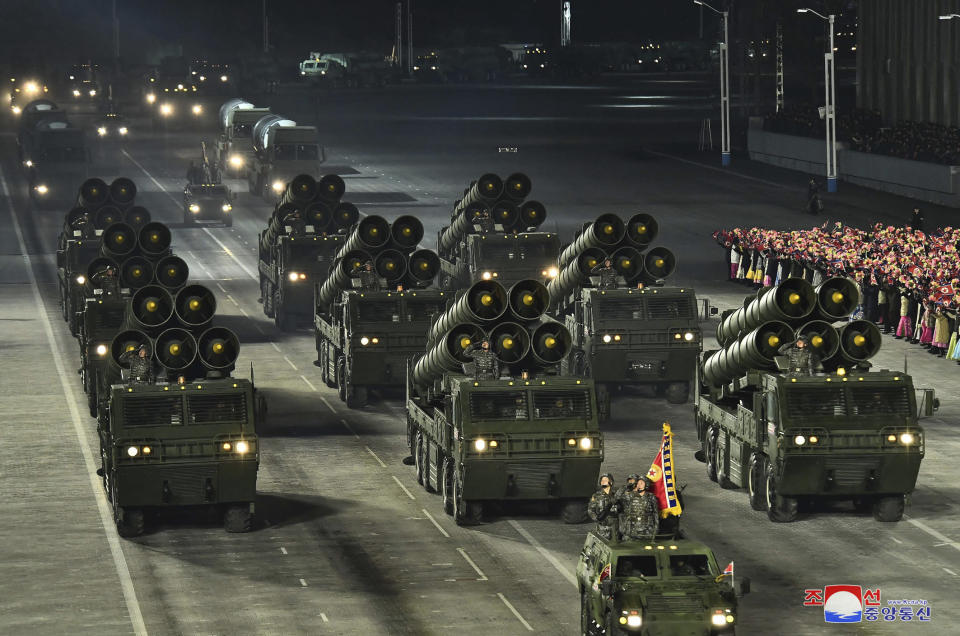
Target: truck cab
502	257
672	587
289	151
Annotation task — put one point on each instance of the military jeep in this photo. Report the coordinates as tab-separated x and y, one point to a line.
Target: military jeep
672	587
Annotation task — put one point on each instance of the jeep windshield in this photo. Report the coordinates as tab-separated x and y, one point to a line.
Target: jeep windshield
691	565
641	566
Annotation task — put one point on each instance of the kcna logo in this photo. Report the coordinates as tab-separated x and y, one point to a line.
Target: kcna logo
853	604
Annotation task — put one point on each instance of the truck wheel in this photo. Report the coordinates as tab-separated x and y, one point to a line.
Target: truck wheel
755	482
341	380
710	453
889	508
130	522
423	463
612	628
780	509
678	392
92	399
574	511
446	485
72	321
267	293
238	518
722	469
465	513
586	629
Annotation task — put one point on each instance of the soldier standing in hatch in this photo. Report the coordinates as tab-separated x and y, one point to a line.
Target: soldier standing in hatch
107	281
623	491
800	358
82	224
608	275
369	280
485	362
141	366
603	507
640	512
485	221
295	222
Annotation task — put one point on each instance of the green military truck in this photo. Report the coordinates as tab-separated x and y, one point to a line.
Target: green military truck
668	587
365	335
235	142
511	249
191	444
635	332
525	435
846	433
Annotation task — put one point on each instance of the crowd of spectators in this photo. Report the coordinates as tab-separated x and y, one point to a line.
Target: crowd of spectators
863	130
909	280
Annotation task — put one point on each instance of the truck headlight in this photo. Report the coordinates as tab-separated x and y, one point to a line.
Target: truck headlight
101	350
224	78
122	130
151	98
197	109
166	110
488	275
236	161
586	443
226	207
28	163
194	208
799	440
92	93
689	336
30	87
364	341
277	186
295	276
550	272
480	445
16	110
42	189
81	279
203	78
76	93
133	451
241	447
906	439
607	338
102	131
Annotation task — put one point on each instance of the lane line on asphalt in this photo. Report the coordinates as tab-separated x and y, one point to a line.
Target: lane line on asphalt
933	533
544	552
436	525
233	300
106	514
221	288
309	384
949	571
291	363
379	461
324	618
275	346
515	612
348	427
207	230
403	488
329	406
303	583
466	557
897	540
283	550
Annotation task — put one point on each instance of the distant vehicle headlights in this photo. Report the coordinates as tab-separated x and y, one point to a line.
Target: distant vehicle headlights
166	110
151	98
295	276
122	130
203	78
30	88
194	208
489	275
92	93
28	163
278	186
236	161
76	93
102	131
224	78
226	207
197	109
42	189
550	272
16	110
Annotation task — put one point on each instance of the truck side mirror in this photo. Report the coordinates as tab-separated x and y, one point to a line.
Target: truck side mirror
606	587
743	587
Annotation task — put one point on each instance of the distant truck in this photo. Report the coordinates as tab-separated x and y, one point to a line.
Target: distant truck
653	588
53	154
350	70
235	143
171	95
282	150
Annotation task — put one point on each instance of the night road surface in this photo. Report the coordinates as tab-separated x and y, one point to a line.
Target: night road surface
345	540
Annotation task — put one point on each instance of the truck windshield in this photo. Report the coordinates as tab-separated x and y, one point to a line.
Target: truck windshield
379	311
514	251
642	307
422	310
292	152
242	130
637	566
804	402
62	154
690	565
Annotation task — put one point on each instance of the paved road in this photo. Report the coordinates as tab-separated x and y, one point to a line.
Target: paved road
345	541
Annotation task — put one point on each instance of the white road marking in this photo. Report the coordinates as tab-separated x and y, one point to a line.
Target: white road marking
106	514
290	363
949	571
436	525
329	406
403	488
221	288
309	384
283	550
275	346
933	533
324	618
233	300
897	540
207	230
562	569
303	583
379	461
463	553
348	427
243	311
515	612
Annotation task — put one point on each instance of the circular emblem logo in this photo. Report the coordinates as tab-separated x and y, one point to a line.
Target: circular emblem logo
655	473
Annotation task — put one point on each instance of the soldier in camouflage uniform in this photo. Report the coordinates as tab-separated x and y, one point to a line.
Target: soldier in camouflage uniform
624	490
141	366
107	281
641	512
800	358
82	224
295	222
485	221
369	280
608	275
486	366
603	508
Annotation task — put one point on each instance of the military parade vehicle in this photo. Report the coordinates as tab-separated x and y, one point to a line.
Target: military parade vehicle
522	432
170	93
281	151
629	330
493	235
296	253
207	202
847	433
84	82
366	334
235	143
22	90
669	586
52	151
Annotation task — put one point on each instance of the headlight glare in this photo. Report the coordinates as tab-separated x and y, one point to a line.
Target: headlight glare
480	445
688	336
226	207
278	186
607	337
101	350
133	451
634	620
586	443
197	109
151	98
194	208
42	189
799	440
102	130
236	161
293	276
242	447
122	130
364	340
906	438
81	279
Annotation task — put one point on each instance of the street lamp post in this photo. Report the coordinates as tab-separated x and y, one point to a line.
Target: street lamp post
724	85
830	107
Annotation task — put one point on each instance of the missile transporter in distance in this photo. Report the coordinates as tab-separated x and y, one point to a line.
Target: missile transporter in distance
52	151
365	335
848	433
281	151
667	587
295	254
636	332
524	435
235	142
493	236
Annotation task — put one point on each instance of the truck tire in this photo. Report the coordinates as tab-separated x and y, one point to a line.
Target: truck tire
341	380
446	485
92	399
418	459
129	522
780	509
238	518
423	464
267	293
678	392
586	629
710	452
573	511
282	319
756	482
889	508
722	469
465	513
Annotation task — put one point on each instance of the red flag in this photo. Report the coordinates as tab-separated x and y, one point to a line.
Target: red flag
729	570
662	476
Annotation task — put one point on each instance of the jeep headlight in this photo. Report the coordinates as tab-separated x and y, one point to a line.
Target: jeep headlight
197	109
194	208
241	447
906	439
226	207
277	186
722	617
101	350
236	161
102	131
122	130
151	98
480	445
166	110
631	618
